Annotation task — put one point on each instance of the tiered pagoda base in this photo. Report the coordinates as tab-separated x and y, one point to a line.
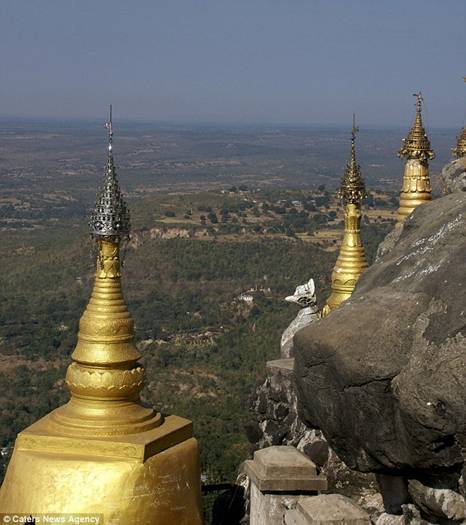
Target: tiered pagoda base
151	477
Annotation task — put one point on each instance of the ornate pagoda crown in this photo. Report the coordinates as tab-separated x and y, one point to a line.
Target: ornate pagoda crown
352	188
417	145
110	216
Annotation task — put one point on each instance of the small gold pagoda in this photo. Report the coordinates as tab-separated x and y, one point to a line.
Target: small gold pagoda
460	149
351	260
416	148
104	453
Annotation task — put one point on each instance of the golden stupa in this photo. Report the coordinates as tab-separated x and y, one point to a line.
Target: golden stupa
416	148
460	149
351	260
104	453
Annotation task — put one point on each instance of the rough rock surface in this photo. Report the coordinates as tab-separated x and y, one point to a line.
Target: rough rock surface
384	375
390	519
454	175
275	420
390	240
410	516
438	503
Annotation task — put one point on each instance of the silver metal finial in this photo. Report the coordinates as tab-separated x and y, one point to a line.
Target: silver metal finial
352	189
109	126
355	128
110	216
419	101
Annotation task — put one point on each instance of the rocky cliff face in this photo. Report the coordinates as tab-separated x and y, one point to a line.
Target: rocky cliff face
384	376
275	421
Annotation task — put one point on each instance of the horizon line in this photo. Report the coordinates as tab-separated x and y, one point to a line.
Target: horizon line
214	122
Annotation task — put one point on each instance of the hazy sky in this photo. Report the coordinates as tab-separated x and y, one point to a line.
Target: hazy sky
307	61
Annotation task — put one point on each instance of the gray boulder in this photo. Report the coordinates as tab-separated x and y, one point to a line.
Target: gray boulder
454	175
384	375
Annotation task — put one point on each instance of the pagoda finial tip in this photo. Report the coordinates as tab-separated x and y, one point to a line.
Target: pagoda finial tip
352	188
354	130
109	126
419	100
110	216
417	145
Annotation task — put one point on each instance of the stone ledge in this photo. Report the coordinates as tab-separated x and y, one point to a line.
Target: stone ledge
283	469
284	365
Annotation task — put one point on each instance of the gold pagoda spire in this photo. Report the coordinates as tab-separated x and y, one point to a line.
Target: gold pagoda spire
351	260
416	149
104	454
105	378
460	149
